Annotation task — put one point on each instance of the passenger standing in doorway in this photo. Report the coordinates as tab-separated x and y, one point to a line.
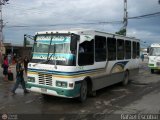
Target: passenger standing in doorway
81	49
25	62
142	57
19	77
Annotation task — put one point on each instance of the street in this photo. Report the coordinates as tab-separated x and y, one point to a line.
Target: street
140	96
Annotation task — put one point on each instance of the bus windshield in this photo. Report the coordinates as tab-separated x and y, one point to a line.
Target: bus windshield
154	51
54	48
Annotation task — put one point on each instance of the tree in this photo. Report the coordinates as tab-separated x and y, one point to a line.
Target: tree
122	32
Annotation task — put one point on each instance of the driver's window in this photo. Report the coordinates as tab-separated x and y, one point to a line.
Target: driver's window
86	53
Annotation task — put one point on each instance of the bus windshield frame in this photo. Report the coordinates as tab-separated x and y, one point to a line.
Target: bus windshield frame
56	48
154	51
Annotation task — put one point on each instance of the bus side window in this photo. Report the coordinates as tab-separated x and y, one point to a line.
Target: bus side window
100	49
134	50
120	49
127	49
111	45
86	53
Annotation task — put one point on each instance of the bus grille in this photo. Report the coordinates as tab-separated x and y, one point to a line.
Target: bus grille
45	79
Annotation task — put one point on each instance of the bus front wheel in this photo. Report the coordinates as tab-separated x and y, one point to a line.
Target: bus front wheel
83	91
126	78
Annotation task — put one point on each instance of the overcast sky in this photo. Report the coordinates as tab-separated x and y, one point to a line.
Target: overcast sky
53	12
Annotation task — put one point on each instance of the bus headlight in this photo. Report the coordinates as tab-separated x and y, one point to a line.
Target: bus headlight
61	84
31	79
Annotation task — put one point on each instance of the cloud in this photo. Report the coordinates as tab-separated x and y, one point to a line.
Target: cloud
40	12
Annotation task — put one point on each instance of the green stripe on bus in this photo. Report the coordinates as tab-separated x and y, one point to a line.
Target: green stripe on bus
150	64
155	68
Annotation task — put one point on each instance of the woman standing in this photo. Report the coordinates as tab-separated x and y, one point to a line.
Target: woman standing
5	68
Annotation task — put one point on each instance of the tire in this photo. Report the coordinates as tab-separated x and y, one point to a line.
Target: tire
83	91
152	71
125	79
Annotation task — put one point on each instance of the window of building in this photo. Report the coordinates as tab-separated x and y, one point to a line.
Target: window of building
120	49
111	45
100	48
127	49
134	50
86	53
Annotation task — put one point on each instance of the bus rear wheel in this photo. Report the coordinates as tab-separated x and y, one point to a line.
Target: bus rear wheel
83	91
152	71
126	78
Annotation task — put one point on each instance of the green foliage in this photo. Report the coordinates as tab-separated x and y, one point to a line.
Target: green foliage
121	32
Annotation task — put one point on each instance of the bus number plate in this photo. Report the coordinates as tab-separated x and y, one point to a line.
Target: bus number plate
43	90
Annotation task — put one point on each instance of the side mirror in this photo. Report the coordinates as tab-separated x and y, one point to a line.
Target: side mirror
34	38
73	44
25	40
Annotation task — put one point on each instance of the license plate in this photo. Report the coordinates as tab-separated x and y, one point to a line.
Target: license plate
43	90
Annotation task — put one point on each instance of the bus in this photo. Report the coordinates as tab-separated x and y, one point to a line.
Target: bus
76	63
154	57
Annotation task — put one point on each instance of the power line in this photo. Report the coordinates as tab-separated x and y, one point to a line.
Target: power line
145	15
89	23
64	24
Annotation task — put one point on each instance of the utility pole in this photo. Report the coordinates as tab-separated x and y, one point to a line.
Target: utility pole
123	30
2	2
125	19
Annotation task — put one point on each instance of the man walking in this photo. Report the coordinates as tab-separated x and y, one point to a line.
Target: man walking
19	77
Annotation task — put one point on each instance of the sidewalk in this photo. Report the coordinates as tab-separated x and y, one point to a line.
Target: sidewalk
12	68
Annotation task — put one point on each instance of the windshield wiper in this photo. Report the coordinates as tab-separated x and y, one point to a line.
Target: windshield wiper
40	63
55	61
47	56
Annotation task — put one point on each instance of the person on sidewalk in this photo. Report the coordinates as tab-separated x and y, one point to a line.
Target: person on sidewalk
9	58
5	68
19	77
142	57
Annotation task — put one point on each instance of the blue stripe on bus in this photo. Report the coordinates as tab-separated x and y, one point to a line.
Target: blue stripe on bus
72	73
63	73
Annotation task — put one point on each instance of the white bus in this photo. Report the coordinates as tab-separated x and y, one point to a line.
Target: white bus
76	63
154	57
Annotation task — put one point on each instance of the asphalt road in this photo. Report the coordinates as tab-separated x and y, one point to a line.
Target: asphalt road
140	96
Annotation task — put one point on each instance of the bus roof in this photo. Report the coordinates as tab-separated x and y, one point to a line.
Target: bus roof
155	45
84	31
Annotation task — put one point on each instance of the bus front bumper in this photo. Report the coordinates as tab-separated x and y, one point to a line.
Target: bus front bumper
60	92
154	66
